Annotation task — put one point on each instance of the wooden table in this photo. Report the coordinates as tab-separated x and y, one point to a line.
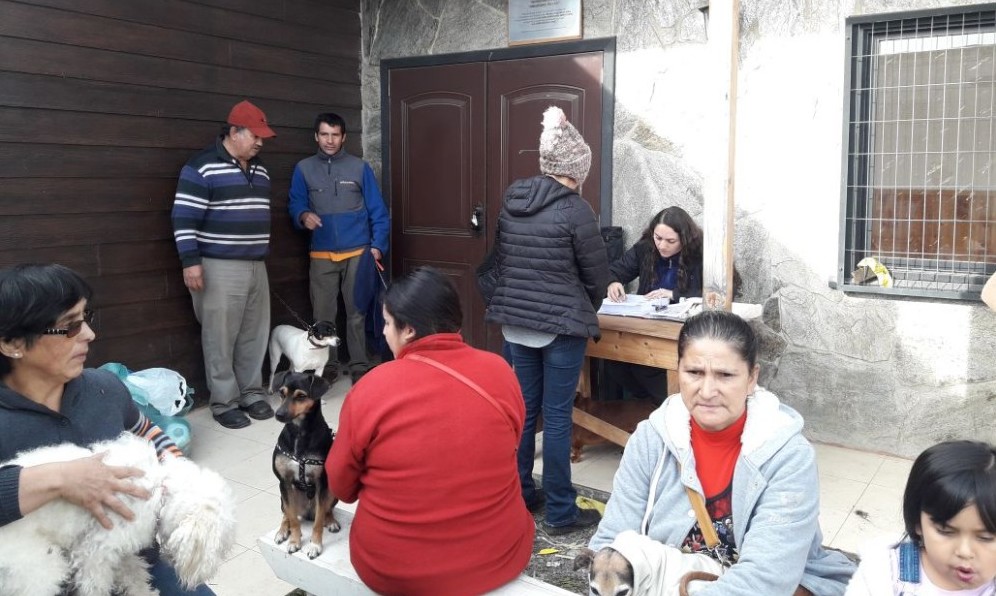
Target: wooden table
652	342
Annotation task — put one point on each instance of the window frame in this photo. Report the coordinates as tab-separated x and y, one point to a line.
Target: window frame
861	33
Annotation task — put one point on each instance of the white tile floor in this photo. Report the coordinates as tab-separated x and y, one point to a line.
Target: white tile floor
860	493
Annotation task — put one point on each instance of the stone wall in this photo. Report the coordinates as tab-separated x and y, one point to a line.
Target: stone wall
890	375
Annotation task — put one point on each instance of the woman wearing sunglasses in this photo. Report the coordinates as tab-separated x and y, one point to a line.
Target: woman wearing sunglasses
47	397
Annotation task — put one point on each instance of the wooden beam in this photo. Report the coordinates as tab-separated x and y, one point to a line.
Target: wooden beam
600	427
717	217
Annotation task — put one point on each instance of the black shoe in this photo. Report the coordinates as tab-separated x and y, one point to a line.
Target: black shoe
330	373
586	518
259	410
232	419
356	375
538	501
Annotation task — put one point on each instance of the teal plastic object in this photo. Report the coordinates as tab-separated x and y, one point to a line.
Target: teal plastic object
176	427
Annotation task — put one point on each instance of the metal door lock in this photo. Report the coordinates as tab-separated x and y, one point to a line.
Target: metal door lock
477	218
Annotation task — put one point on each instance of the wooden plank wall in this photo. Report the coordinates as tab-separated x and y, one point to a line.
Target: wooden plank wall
101	103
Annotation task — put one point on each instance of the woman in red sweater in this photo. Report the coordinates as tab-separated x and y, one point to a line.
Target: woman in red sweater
427	444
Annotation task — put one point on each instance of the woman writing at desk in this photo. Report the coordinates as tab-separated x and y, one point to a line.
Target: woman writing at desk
668	260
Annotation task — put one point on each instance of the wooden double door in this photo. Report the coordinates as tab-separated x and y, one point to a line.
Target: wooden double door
457	135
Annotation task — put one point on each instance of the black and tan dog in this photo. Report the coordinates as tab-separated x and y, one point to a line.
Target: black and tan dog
299	462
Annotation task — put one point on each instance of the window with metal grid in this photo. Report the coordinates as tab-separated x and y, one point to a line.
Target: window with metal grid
919	192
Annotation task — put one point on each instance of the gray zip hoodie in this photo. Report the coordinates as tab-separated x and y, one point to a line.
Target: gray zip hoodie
775	500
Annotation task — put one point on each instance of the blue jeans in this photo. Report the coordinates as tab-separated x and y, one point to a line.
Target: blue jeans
549	377
164	577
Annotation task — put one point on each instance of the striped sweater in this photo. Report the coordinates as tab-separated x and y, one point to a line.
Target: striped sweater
221	211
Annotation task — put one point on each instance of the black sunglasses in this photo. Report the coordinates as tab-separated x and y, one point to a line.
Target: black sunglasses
72	329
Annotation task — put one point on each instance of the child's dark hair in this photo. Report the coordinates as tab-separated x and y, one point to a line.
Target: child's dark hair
724	326
945	479
425	300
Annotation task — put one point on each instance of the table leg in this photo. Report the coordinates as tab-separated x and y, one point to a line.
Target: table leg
584	381
672	382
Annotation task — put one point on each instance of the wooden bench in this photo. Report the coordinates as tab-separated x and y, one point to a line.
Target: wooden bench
332	573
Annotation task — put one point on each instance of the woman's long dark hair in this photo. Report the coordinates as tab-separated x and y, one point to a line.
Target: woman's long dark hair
690	236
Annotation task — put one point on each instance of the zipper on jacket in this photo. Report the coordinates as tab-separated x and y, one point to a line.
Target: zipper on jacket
328	172
335	190
249	172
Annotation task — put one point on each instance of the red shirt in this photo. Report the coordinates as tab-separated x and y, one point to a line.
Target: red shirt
433	465
716	456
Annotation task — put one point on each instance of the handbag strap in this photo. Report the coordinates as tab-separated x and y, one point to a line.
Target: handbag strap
702	516
477	388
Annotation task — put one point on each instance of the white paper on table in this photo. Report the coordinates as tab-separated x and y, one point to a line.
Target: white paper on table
678	311
634	306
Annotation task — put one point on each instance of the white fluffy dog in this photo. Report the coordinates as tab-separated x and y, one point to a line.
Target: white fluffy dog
306	349
191	511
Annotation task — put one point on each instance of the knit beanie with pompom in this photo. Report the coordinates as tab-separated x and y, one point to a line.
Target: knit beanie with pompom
562	150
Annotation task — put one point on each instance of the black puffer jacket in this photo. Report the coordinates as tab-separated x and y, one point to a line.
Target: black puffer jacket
552	266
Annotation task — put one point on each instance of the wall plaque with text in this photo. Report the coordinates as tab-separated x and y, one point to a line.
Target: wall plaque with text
535	21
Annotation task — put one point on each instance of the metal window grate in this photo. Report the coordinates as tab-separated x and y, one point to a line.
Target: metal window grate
920	192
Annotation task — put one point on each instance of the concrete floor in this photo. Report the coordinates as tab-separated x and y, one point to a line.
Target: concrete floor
860	493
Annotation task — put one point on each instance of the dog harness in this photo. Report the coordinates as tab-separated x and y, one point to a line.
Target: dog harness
301	482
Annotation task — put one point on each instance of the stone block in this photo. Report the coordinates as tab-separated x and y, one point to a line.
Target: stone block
467	26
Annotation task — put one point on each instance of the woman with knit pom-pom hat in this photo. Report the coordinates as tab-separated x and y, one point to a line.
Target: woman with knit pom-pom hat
552	275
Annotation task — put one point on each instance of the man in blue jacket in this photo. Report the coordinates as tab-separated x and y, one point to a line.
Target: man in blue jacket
335	196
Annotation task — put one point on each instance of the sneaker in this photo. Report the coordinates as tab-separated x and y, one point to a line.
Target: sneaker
538	501
232	419
586	518
259	410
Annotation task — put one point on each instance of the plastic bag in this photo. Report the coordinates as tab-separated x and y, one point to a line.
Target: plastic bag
166	387
165	390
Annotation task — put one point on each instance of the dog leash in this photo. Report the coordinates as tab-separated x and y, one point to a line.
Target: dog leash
309	328
380	272
293	313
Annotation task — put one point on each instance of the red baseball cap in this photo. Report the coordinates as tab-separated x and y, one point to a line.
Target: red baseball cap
249	116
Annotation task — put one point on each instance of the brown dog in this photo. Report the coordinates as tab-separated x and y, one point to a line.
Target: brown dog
609	573
299	462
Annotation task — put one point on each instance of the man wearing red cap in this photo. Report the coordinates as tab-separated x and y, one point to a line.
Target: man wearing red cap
221	224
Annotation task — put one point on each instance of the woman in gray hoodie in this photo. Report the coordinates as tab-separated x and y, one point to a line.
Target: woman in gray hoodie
736	445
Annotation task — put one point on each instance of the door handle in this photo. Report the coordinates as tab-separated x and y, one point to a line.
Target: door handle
477	218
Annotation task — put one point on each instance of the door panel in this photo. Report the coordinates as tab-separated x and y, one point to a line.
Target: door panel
438	176
518	93
459	135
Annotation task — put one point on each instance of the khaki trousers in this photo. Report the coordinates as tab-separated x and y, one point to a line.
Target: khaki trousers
234	312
